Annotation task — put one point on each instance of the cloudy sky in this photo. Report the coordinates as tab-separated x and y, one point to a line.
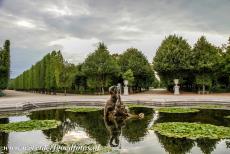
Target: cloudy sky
36	27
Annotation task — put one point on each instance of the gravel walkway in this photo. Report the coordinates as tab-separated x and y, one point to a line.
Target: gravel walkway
15	100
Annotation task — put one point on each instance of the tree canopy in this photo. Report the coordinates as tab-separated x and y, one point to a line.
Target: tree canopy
99	67
173	59
4	65
134	60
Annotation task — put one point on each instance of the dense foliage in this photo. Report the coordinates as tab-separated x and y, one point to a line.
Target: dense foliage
134	63
46	75
202	67
100	67
4	65
96	74
172	60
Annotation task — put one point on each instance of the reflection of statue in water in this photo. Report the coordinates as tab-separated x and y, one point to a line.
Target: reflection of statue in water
115	115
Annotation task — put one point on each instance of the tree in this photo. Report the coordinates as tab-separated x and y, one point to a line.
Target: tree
205	59
224	76
80	79
172	60
47	72
68	76
4	65
135	60
128	75
99	67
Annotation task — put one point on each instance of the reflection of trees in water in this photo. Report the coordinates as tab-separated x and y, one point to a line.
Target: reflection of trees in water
183	145
175	145
208	116
135	129
4	136
55	134
207	145
227	144
93	123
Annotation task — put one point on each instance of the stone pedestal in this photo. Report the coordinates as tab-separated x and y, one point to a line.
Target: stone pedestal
176	90
126	90
176	87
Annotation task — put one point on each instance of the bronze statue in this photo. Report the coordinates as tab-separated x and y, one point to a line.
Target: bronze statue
115	115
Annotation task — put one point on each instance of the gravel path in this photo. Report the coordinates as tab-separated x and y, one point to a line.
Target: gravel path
16	99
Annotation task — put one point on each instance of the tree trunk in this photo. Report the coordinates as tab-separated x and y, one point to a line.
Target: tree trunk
65	91
203	88
102	90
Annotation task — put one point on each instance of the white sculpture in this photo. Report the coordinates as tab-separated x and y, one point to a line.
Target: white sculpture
176	87
126	88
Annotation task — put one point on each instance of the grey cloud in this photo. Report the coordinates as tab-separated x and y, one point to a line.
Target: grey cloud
114	22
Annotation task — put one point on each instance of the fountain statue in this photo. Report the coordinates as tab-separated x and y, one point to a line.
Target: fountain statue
115	115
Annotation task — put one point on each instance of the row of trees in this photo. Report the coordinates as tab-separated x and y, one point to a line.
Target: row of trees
4	65
201	66
204	65
47	75
99	71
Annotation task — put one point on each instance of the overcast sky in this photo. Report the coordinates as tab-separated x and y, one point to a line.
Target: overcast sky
36	27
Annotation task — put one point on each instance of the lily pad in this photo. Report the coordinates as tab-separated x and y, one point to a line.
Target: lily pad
228	117
29	125
191	130
177	110
210	106
83	109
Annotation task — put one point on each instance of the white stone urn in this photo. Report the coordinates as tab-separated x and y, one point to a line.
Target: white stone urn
176	87
126	88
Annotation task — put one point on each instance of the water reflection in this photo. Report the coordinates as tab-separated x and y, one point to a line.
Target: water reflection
129	133
181	146
207	116
135	129
207	146
175	145
4	137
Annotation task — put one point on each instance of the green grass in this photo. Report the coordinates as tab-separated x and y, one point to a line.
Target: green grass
206	106
228	117
134	105
83	109
29	125
191	130
177	110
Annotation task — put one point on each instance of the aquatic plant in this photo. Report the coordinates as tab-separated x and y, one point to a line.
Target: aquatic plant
177	110
83	109
191	130
29	125
134	105
208	106
228	117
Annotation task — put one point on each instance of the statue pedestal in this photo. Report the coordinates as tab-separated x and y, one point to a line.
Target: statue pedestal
126	90
176	90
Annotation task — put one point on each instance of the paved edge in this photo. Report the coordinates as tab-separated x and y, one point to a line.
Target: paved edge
45	105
